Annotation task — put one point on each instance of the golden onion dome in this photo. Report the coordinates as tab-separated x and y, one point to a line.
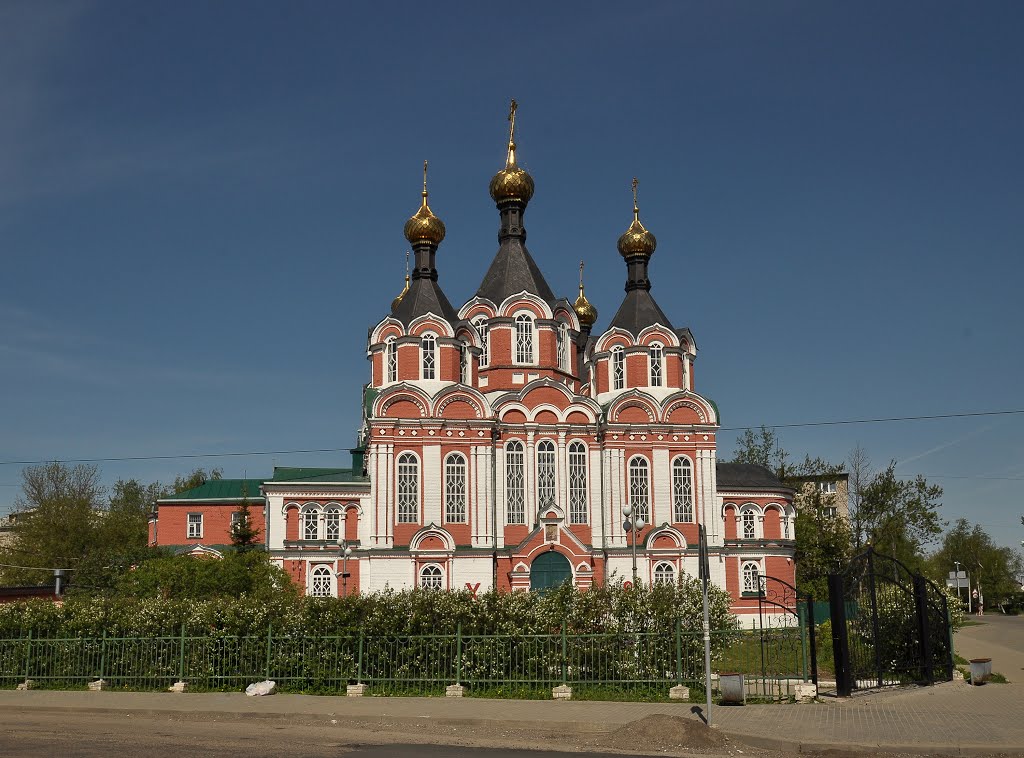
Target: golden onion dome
424	226
512	182
636	240
397	300
585	311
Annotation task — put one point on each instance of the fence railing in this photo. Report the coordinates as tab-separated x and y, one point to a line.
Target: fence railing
630	666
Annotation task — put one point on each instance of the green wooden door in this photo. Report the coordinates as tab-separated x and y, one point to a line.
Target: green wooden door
548	570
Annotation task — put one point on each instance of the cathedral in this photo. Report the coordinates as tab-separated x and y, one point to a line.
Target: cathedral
508	443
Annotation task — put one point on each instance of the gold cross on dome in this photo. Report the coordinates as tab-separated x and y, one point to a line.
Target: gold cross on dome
512	121
635	183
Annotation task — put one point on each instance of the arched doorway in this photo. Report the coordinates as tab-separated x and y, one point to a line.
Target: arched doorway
549	570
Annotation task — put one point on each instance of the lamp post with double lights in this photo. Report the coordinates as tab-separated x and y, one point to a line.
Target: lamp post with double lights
633	525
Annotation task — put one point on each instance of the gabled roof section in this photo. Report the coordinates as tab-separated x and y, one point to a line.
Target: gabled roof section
220	489
424	296
637	312
284	474
747	476
512	271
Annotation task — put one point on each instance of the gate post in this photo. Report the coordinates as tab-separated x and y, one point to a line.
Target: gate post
875	633
812	634
923	628
840	640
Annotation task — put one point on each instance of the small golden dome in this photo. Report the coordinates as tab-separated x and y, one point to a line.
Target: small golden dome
636	240
424	226
512	182
397	300
585	311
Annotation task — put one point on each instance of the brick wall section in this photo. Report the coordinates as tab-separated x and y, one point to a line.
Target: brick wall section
173	529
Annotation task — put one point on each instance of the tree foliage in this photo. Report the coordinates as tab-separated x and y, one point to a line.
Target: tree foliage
999	570
244	536
197	478
237	574
900	516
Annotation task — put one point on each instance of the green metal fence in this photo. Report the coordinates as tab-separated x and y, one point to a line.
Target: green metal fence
642	665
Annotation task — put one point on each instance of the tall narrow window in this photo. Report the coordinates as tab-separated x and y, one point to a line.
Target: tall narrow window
682	490
455	489
464	371
640	489
332	526
515	483
563	346
785	526
428	355
320	581
524	339
481	328
657	365
618	368
751	578
545	474
577	483
310	525
195	526
408	489
749	529
392	359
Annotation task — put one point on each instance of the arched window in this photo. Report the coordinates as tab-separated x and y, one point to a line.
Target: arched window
562	335
464	371
481	327
431	577
332	526
577	483
749	521
618	368
320	581
784	517
524	339
545	474
657	365
428	356
391	354
455	489
664	573
408	489
515	483
682	490
640	489
311	525
751	578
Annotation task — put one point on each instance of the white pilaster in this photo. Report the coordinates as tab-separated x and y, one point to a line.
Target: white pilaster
661	503
432	484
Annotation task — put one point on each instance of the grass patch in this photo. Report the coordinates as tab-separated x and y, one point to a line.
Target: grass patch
959	660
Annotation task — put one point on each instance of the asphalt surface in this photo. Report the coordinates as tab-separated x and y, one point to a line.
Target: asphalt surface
998	637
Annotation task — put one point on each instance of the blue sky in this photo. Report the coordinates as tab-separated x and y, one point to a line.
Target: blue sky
201	210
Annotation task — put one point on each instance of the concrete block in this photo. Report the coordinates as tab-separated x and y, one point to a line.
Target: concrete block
28	684
178	687
679	692
806	693
561	692
453	690
356	690
98	685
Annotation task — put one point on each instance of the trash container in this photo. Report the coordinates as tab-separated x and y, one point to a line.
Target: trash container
730	684
981	670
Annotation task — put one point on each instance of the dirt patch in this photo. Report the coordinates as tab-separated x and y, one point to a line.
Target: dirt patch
663	733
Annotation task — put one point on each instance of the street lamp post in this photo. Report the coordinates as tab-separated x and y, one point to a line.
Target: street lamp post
632	525
346	551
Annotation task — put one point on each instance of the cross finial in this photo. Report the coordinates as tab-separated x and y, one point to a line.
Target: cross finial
581	276
635	183
407	265
424	178
512	122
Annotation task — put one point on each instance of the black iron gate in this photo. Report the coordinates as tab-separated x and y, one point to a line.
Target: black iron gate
890	626
785	632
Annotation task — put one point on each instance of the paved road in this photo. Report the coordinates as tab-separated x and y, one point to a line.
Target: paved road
998	637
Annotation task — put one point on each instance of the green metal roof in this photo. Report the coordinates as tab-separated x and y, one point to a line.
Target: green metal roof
221	489
288	474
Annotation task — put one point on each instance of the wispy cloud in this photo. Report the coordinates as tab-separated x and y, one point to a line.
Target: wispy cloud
951	443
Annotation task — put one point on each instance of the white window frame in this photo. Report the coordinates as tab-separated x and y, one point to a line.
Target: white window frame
332	525
321	581
827	488
482	329
195	533
656	365
617	368
465	371
525	342
428	356
579	505
640	488
391	360
455	488
407	490
682	490
311	518
748	517
784	518
664	573
431	577
547	475
562	336
515	482
749	586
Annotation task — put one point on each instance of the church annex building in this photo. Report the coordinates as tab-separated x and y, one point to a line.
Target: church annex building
502	440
